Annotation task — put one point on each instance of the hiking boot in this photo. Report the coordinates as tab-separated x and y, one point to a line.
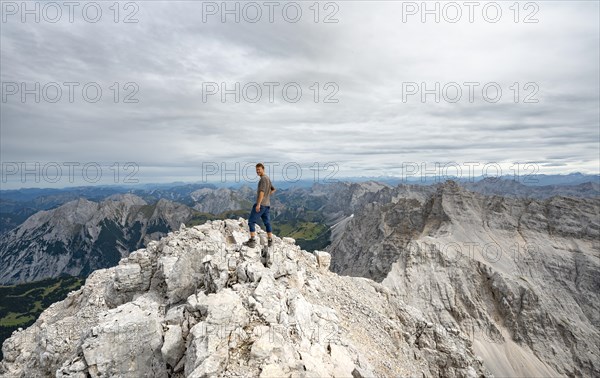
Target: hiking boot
250	243
270	242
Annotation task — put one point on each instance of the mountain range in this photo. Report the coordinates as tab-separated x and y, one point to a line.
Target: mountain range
512	268
81	236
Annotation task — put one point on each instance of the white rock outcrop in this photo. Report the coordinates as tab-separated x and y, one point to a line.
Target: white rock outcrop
199	304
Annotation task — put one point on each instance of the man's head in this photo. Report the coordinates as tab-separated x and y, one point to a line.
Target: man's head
260	169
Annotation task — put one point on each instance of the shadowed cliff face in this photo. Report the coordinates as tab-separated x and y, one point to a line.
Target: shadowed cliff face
372	238
519	275
81	236
199	304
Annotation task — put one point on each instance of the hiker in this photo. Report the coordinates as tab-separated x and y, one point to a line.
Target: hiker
261	208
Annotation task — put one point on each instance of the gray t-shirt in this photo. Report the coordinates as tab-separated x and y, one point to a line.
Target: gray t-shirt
265	185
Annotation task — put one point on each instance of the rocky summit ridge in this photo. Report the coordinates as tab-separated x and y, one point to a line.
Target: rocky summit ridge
197	303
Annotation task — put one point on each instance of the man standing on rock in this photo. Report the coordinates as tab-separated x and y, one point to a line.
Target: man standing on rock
261	208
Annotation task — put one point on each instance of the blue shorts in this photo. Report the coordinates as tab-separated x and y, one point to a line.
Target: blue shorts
262	214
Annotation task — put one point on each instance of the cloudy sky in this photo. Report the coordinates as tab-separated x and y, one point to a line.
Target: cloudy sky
516	86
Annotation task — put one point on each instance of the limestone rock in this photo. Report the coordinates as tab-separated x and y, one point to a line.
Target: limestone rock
323	259
514	277
173	345
198	304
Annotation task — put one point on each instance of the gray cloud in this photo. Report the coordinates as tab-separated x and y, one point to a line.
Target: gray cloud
368	54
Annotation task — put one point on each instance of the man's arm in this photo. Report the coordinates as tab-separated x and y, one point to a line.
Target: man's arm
259	199
273	189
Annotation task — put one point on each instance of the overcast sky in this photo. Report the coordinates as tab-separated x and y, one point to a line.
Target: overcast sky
372	62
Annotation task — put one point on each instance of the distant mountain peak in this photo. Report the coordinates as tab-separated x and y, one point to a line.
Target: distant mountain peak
82	235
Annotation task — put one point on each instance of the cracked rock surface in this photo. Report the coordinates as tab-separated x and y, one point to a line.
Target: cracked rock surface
199	304
519	275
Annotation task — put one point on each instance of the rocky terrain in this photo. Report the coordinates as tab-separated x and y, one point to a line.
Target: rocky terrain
215	201
81	236
519	275
199	304
512	188
512	269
